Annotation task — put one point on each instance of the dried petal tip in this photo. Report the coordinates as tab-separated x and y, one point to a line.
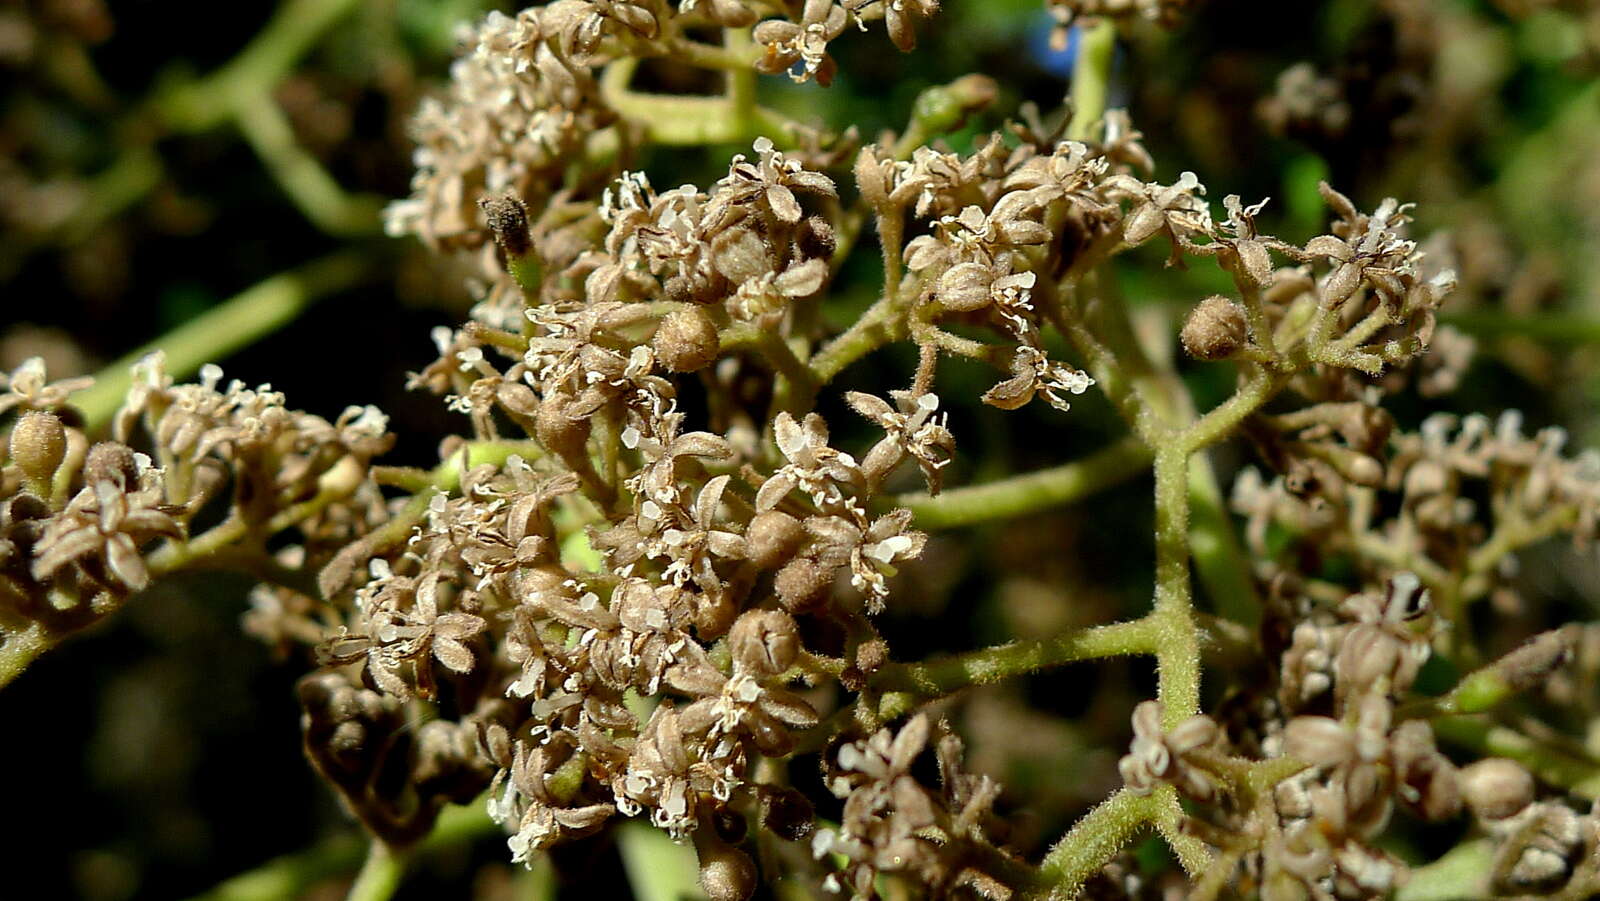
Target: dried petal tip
687	341
1216	329
38	445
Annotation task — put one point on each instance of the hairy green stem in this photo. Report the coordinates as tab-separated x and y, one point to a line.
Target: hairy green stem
941	676
1031	492
1178	654
875	328
1095	838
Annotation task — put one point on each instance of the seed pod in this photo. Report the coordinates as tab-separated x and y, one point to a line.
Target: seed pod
1216	329
726	873
764	642
1496	788
772	538
38	445
686	341
965	286
563	435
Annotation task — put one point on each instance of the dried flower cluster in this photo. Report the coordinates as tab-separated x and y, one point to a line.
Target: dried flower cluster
644	577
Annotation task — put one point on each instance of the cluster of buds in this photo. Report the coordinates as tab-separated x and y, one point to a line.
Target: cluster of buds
647	573
85	526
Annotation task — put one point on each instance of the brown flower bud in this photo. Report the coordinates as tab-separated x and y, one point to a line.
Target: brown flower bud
772	538
508	219
740	254
686	341
964	286
726	873
872	176
38	445
815	239
1216	329
872	655
1496	788
561	434
113	462
803	584
765	642
714	613
786	813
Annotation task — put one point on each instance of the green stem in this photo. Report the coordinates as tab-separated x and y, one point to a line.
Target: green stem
380	875
942	676
19	649
1031	492
795	379
230	326
1550	764
875	328
299	173
1551	327
297	25
1178	657
740	85
1091	75
1095	838
658	868
676	120
1463	872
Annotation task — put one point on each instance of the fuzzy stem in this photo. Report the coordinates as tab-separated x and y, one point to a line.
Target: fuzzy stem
1178	657
1095	838
875	328
942	676
1031	492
